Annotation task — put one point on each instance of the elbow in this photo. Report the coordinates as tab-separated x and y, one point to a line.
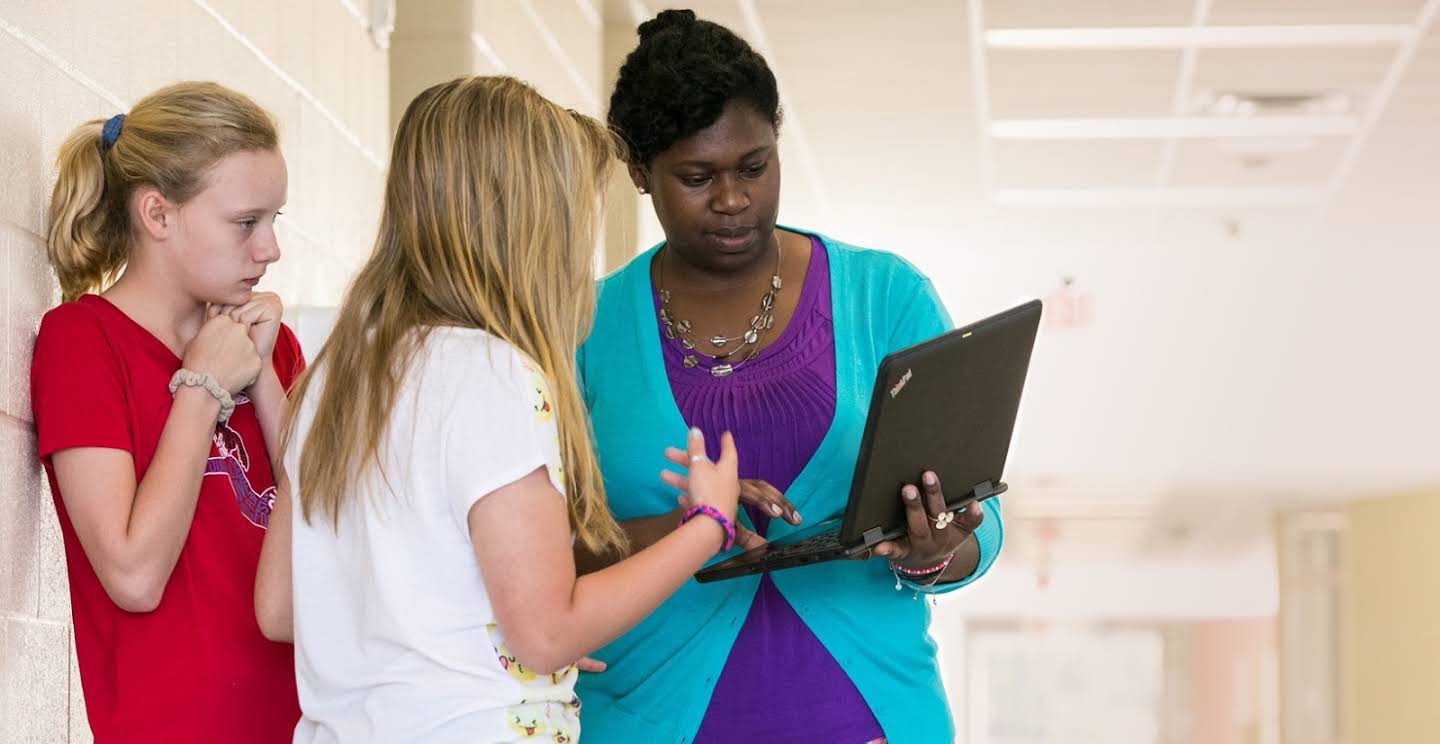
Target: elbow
275	626
275	617
536	652
544	664
135	593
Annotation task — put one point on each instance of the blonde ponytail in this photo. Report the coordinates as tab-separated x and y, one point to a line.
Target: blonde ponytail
85	248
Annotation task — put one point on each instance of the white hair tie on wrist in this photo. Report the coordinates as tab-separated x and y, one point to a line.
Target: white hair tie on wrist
209	384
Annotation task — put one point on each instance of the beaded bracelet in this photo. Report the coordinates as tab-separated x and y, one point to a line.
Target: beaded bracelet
714	514
941	566
937	570
206	381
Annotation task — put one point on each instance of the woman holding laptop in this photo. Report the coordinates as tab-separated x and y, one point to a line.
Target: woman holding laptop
775	334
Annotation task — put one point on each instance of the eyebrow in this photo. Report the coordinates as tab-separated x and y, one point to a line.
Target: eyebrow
264	209
708	164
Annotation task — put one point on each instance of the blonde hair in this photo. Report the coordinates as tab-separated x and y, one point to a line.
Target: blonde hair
491	211
169	140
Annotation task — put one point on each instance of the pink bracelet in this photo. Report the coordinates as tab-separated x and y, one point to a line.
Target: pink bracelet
714	514
937	568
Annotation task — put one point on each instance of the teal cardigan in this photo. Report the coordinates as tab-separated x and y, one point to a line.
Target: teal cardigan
662	672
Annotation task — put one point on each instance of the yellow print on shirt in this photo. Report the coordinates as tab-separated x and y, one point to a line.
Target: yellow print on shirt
552	722
508	662
551	710
526	722
541	400
565	675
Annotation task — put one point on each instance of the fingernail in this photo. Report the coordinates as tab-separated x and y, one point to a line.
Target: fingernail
910	493
795	516
929	479
695	432
775	509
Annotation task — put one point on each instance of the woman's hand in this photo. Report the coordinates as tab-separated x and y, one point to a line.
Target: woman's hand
926	544
757	493
769	500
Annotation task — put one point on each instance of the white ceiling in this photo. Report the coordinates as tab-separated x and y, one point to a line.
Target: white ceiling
1262	307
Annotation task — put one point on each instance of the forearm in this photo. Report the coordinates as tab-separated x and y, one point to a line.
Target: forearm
642	532
274	602
165	499
268	397
272	581
609	602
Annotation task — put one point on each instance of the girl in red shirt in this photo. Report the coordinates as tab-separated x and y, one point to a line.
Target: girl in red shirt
157	402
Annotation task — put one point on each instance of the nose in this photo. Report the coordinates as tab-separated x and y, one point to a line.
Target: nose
267	249
730	196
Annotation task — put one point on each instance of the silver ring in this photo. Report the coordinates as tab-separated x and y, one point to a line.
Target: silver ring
943	520
696	458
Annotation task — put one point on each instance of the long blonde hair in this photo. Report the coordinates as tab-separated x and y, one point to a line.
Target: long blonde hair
492	205
169	140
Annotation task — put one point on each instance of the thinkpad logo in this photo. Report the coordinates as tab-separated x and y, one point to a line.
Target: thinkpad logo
894	391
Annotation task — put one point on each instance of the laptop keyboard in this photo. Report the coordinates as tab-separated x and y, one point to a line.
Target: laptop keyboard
823	541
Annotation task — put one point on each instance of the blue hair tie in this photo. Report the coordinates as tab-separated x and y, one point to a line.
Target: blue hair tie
111	131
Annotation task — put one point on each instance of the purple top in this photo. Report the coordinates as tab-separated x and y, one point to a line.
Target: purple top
779	683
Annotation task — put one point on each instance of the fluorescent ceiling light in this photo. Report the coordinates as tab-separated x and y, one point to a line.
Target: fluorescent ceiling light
1179	37
1155	197
1191	127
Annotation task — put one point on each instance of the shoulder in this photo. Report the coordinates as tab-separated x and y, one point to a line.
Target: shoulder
621	301
886	293
78	332
873	262
476	374
867	274
82	316
473	358
611	289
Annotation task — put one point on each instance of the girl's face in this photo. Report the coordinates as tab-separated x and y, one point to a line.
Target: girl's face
224	237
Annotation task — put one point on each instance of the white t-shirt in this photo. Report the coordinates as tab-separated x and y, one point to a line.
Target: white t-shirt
395	639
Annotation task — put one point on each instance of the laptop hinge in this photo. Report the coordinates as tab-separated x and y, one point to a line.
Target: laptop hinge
983	490
873	535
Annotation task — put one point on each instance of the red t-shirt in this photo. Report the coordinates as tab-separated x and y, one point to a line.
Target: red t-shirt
197	668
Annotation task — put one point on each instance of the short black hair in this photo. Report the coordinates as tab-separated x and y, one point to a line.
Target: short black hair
678	80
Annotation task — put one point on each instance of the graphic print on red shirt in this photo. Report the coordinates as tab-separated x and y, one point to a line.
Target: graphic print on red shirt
232	462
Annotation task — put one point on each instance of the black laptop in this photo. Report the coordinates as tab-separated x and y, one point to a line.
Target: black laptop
948	405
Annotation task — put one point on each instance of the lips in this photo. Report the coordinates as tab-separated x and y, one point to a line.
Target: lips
733	238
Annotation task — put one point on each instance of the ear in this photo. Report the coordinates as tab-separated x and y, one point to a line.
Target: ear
640	177
153	213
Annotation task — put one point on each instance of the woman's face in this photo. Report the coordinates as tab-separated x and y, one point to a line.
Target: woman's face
717	192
